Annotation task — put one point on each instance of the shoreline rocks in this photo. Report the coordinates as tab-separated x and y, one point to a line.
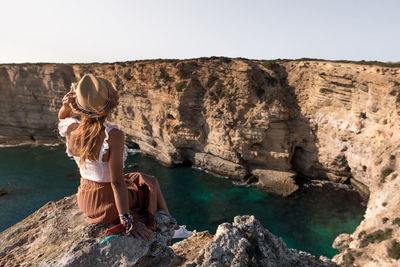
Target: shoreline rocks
58	234
243	243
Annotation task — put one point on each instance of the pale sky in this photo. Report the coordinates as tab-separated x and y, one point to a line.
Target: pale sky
120	30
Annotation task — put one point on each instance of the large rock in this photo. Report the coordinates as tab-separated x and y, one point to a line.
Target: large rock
278	182
58	234
243	243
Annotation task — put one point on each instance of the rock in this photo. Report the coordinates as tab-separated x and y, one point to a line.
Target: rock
3	191
190	248
58	234
243	243
342	241
361	188
224	167
372	242
278	182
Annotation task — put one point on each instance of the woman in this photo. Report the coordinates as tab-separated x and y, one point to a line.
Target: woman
105	193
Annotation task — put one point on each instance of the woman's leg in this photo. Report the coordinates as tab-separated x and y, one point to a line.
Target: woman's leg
161	204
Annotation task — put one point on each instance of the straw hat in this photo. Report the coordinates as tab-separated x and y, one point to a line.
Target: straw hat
95	97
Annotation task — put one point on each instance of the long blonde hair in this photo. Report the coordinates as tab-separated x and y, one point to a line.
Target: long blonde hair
86	138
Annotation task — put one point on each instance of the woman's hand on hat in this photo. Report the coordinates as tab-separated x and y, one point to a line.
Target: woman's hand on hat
69	98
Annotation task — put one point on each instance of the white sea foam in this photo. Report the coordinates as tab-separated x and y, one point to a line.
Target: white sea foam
29	144
133	151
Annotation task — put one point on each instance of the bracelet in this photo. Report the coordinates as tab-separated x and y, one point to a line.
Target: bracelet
127	221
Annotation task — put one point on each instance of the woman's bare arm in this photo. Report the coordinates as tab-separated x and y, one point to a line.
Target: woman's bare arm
115	163
65	110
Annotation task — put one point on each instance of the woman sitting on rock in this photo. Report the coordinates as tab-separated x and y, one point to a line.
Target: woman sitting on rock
106	194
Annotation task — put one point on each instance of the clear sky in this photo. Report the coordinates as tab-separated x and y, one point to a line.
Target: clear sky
120	30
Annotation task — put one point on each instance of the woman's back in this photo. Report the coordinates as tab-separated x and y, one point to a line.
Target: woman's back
74	148
97	167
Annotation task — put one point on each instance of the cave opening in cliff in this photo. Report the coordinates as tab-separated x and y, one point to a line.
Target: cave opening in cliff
299	163
132	145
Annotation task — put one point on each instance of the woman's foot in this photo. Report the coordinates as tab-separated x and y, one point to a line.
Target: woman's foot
181	232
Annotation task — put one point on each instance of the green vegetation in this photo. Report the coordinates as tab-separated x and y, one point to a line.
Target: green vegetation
270	99
361	62
362	234
348	258
260	92
270	64
363	115
226	95
392	157
384	220
385	172
359	253
394	176
396	221
384	204
394	250
223	59
271	80
376	237
180	86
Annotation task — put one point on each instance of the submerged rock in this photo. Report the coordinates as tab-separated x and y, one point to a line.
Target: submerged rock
58	234
278	182
244	243
3	191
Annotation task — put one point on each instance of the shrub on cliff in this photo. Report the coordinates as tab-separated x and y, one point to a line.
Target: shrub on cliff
385	173
270	64
394	250
180	86
376	237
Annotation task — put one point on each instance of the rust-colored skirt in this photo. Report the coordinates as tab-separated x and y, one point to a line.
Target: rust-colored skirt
96	200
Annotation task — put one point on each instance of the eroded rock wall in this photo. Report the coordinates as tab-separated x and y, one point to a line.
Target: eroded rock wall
240	118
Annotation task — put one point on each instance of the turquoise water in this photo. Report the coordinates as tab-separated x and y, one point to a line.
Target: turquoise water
309	222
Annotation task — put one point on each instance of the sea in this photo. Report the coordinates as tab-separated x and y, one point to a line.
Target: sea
310	221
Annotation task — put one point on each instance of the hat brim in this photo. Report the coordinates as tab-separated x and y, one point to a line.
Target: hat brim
110	105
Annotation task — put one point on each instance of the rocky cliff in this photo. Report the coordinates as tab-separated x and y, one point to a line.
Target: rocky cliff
58	234
246	119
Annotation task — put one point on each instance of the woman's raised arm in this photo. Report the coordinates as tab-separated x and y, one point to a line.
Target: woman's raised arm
65	110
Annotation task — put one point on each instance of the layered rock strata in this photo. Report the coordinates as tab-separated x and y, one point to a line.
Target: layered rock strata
245	119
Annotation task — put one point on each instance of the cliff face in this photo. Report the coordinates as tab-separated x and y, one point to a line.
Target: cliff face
238	118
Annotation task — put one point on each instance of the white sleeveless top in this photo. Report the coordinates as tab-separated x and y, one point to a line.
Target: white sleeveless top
95	170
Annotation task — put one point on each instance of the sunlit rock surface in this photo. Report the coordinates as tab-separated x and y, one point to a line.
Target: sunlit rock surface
58	234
